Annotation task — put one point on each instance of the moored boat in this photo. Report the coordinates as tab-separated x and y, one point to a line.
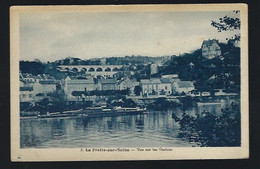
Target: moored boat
128	110
95	112
71	113
115	111
56	115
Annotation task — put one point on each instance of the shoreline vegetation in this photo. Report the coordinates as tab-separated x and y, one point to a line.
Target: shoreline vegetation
209	129
157	104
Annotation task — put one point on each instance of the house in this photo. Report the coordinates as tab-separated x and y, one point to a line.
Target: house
33	88
156	86
107	84
174	78
26	93
154	68
78	84
191	65
150	86
166	86
127	84
210	49
183	86
27	77
45	86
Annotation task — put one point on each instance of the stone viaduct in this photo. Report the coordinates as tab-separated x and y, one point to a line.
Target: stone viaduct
95	70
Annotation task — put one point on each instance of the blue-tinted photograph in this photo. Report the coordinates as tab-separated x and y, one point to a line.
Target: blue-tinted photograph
130	79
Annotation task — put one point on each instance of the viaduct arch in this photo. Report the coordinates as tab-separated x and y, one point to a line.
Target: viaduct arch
90	68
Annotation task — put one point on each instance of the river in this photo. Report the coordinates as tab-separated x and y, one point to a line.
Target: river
151	129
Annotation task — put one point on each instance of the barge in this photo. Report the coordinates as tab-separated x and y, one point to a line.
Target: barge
116	111
72	113
95	112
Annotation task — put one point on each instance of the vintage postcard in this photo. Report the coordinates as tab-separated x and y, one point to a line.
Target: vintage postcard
129	82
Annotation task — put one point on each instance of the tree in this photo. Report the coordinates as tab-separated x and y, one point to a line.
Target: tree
137	90
227	23
210	129
32	67
125	91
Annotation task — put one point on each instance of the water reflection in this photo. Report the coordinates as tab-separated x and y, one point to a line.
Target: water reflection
157	129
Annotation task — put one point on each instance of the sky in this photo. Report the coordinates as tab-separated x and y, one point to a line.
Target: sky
85	35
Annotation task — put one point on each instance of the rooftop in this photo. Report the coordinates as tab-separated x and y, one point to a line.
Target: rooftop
182	84
26	75
209	42
170	76
26	88
145	81
110	81
47	82
79	80
39	76
153	81
166	80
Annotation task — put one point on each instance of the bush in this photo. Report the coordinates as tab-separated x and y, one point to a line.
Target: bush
208	129
101	92
137	90
186	101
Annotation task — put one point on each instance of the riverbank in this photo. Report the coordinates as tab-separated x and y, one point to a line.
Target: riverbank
155	104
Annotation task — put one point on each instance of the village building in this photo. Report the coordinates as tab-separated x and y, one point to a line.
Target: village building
26	93
77	84
156	86
174	78
154	68
45	84
166	86
33	88
183	86
127	84
191	65
107	84
27	77
150	86
210	49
